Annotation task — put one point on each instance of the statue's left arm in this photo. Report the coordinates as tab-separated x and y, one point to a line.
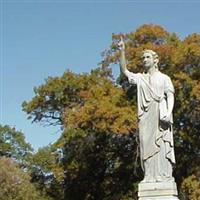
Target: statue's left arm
169	92
170	102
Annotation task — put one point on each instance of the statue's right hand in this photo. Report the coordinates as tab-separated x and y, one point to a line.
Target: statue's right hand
121	44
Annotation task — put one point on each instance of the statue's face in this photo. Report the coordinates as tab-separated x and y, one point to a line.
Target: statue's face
147	60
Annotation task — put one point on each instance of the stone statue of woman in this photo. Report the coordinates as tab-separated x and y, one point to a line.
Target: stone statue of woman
155	98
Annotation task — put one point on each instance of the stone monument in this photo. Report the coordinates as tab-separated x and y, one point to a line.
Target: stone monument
155	99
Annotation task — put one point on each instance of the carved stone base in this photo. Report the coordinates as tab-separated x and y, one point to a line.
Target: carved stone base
158	191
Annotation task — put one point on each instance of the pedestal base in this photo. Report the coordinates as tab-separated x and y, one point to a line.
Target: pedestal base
158	191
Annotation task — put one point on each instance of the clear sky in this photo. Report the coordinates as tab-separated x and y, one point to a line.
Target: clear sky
44	38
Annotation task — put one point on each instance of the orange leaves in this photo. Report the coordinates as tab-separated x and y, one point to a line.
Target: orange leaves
182	79
148	36
174	54
105	109
150	33
186	55
193	38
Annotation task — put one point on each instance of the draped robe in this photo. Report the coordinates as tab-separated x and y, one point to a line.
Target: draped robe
156	136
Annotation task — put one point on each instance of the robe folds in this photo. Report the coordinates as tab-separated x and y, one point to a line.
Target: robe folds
156	136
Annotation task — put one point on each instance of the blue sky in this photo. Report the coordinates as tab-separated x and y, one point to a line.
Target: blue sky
44	38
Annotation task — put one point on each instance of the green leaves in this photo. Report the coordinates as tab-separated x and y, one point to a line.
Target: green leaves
99	165
13	144
14	183
58	93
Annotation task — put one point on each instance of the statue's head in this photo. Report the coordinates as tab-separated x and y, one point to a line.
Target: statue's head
150	58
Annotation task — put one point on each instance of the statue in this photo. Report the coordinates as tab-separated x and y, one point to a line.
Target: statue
155	99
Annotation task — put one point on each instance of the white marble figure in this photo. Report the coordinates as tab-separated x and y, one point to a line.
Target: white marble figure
155	98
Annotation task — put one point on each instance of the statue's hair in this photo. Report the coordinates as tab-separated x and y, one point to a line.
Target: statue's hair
154	54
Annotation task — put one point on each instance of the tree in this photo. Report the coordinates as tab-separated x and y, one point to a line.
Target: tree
86	101
46	172
91	105
13	145
58	93
15	183
99	165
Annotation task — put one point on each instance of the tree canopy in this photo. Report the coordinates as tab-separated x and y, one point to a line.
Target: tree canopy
15	183
13	145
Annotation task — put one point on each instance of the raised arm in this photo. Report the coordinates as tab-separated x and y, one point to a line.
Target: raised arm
123	68
132	77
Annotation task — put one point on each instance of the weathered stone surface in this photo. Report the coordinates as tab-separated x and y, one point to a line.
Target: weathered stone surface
158	191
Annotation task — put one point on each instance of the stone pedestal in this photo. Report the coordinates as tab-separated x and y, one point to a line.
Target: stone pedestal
158	191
